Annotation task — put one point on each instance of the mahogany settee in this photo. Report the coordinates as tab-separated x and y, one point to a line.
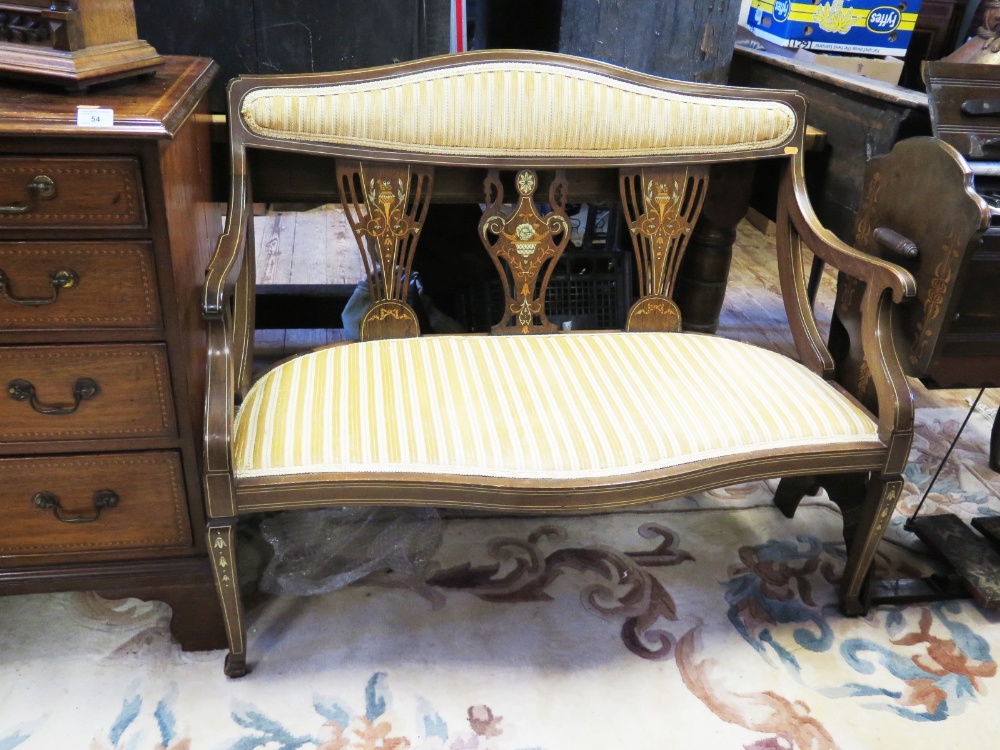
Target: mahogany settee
531	419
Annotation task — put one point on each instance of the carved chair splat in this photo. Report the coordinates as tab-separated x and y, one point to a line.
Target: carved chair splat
386	205
661	206
524	246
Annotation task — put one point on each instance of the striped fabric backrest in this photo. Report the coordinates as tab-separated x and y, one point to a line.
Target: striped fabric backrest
520	105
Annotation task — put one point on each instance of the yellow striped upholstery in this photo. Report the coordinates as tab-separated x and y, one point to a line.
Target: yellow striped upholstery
556	406
516	108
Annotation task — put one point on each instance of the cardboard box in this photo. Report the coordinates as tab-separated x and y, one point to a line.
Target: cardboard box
860	27
885	69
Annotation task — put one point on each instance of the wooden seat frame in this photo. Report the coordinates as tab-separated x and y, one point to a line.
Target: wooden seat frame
864	484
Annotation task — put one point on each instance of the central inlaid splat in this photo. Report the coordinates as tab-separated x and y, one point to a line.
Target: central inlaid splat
525	246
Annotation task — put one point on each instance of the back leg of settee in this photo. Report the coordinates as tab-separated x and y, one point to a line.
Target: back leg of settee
791	491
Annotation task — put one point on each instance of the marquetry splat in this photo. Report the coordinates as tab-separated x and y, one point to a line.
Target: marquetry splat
386	205
525	246
661	207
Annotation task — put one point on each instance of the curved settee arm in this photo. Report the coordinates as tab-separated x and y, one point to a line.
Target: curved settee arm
828	247
885	284
225	264
228	309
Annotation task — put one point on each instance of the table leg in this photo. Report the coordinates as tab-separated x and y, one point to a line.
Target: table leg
704	272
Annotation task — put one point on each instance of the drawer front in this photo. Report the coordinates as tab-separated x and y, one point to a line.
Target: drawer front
85	392
70	504
77	285
70	192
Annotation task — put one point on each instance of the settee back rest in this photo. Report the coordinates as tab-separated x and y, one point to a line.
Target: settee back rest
513	110
389	127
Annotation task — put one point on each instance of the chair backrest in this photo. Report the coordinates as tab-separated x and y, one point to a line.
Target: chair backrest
520	115
514	110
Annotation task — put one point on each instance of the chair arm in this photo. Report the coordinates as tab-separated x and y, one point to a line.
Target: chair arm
222	272
227	260
220	412
885	284
830	249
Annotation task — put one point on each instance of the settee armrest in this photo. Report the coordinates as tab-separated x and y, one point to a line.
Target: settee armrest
228	309
885	284
226	262
222	272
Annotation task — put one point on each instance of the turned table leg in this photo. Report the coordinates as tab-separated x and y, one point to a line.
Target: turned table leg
704	272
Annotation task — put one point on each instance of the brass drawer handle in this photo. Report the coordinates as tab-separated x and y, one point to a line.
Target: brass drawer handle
50	501
64	278
83	389
42	186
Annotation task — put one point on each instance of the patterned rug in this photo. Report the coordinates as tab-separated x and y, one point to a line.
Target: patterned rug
708	622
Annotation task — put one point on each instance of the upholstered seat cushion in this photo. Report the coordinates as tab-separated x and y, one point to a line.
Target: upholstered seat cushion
561	406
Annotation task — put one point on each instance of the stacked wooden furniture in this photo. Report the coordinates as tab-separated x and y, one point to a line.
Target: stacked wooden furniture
960	343
943	196
531	420
104	234
931	206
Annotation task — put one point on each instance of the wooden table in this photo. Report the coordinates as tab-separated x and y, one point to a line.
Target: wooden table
104	236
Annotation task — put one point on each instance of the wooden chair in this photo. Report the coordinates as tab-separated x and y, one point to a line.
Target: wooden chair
546	422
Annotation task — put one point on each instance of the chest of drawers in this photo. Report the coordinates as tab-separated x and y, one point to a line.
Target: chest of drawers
104	235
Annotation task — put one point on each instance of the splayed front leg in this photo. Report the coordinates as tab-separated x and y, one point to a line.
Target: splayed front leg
222	551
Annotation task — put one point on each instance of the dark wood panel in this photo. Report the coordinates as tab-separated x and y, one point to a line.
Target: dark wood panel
220	29
293	36
499	24
934	36
298	36
977	310
691	41
975	136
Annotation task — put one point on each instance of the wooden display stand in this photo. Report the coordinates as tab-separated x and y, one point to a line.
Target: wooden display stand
72	43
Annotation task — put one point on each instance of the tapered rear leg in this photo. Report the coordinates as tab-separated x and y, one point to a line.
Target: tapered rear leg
867	508
790	492
222	546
